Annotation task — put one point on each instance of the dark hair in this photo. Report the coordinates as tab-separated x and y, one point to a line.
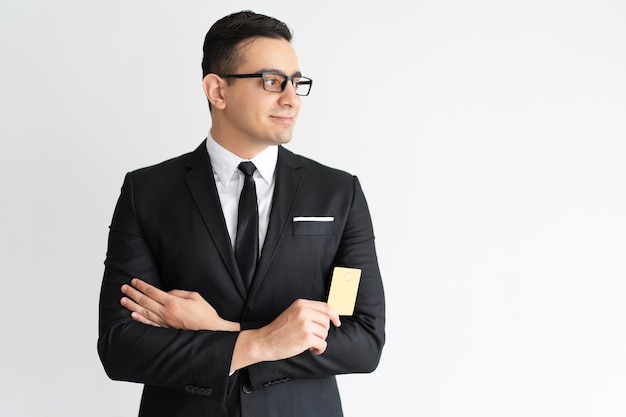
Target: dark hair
221	54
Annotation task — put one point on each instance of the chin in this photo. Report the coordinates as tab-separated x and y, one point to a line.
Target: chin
282	139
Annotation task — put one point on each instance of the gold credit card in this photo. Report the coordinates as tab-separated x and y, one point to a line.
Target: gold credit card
344	286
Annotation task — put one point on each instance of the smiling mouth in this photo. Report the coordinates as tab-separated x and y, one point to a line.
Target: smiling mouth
284	119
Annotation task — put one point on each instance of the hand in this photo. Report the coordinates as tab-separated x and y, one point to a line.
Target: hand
178	309
303	326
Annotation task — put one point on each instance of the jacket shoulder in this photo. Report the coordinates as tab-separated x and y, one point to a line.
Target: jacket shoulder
164	166
312	167
176	165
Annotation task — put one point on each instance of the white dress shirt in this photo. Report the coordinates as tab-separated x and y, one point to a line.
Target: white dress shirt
229	182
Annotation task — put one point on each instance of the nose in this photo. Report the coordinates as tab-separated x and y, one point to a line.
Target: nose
289	96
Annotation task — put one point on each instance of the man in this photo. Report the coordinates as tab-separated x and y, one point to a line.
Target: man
209	333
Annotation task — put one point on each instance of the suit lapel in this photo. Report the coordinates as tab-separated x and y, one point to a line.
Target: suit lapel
202	186
288	178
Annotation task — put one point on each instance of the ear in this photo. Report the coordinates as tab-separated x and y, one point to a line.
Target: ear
213	89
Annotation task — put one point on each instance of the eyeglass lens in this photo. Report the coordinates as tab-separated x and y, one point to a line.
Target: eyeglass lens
278	82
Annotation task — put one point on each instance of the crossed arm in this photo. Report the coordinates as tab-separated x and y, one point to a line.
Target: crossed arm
171	357
302	326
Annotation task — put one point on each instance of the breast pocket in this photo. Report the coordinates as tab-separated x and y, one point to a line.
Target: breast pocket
313	226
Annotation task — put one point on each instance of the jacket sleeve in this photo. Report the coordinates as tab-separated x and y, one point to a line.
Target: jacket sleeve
356	346
193	361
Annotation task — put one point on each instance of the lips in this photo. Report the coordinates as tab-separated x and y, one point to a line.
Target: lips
284	119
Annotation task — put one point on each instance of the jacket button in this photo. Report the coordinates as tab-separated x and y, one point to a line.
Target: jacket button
246	388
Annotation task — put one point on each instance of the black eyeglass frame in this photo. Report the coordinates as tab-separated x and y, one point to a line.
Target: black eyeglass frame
303	80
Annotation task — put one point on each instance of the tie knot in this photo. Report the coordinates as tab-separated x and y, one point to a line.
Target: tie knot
247	168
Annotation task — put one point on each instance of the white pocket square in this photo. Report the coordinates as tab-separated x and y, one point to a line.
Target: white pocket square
314	219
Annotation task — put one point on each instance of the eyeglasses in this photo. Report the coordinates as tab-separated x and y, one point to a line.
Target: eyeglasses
275	82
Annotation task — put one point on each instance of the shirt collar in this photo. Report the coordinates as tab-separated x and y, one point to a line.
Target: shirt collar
225	163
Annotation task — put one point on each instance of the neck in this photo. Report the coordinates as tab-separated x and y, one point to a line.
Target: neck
241	148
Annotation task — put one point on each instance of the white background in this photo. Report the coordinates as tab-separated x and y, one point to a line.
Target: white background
489	137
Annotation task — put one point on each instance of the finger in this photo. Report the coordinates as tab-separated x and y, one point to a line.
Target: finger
142	304
132	306
329	312
334	317
324	316
142	319
181	293
321	330
149	290
325	309
129	304
319	347
140	298
142	314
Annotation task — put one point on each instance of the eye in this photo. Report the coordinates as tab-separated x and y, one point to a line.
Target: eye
273	81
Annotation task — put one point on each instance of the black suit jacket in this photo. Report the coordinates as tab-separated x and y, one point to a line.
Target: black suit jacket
169	230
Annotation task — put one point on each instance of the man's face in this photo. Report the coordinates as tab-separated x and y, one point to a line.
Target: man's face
258	118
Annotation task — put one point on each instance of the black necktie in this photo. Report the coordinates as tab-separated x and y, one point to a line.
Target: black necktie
247	241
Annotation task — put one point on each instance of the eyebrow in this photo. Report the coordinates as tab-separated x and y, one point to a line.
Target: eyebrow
295	74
